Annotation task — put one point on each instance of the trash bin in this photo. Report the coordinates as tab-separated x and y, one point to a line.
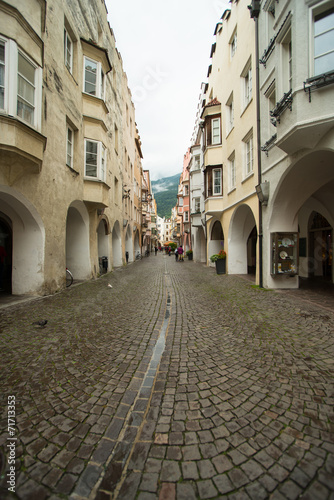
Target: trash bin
105	263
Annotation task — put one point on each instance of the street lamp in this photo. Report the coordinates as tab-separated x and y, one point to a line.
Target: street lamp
262	191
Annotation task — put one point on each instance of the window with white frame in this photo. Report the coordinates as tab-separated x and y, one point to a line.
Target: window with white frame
246	75
197	202
217	181
232	173
215	131
93	78
197	162
229	114
271	97
68	51
248	153
20	84
95	160
323	32
185	190
180	202
233	44
69	146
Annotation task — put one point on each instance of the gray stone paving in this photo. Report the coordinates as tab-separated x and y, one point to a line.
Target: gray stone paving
176	383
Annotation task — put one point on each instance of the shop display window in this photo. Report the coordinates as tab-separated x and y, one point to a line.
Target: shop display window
284	254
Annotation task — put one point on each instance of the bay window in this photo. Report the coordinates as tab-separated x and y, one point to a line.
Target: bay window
215	124
95	160
93	78
20	84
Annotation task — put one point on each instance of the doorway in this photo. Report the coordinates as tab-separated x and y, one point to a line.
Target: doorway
6	245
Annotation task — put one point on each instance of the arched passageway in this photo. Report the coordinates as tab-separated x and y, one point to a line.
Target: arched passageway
23	240
308	211
242	241
77	241
216	241
129	244
103	245
117	245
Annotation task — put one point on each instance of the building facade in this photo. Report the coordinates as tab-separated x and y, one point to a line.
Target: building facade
69	157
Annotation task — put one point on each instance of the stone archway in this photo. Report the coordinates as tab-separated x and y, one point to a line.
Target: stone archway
216	241
77	241
290	210
23	225
116	246
129	244
103	244
241	249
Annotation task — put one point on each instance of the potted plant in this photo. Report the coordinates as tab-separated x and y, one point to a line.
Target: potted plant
220	261
189	254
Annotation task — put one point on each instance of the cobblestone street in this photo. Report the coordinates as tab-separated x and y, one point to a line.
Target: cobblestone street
173	383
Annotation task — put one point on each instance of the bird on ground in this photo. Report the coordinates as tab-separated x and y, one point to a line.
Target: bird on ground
40	323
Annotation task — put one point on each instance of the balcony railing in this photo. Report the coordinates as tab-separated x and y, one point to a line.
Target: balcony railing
269	144
317	82
281	106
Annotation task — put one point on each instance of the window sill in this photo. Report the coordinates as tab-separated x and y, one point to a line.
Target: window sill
232	190
72	169
95	179
229	132
249	176
246	107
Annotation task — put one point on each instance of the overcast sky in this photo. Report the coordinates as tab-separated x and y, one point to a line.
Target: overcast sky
165	47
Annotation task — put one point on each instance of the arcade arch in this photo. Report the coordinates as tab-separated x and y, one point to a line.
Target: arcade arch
242	239
23	236
77	241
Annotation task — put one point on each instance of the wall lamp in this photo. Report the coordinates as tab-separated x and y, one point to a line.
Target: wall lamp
262	191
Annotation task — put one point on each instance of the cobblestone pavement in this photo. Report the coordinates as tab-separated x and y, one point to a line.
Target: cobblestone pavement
174	383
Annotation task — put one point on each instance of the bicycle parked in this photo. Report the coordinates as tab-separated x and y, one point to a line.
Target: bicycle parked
69	278
138	256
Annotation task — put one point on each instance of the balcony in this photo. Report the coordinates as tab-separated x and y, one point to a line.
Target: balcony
21	148
196	219
305	125
96	193
214	206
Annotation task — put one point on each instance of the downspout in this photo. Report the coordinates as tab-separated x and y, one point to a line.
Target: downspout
254	12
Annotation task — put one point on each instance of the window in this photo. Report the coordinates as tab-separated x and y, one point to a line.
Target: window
229	114
2	75
215	131
93	78
217	181
68	51
324	42
20	84
232	173
197	205
69	147
233	44
186	217
186	190
180	202
25	89
197	162
95	160
248	154
287	62
246	75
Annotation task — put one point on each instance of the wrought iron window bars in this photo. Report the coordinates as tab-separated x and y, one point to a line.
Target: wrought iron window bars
281	106
317	82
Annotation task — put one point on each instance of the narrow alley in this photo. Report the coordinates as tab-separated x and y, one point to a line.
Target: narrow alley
164	380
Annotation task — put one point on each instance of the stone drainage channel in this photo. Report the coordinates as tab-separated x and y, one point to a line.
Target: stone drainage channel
117	464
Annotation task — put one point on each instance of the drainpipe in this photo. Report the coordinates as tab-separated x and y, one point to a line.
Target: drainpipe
254	13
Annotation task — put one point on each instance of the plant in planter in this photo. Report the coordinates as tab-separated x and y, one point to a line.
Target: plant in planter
220	260
189	254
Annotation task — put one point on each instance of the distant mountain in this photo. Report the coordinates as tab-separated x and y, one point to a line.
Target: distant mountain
165	194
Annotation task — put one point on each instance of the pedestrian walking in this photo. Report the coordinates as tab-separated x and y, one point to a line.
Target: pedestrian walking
180	252
176	255
155	250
